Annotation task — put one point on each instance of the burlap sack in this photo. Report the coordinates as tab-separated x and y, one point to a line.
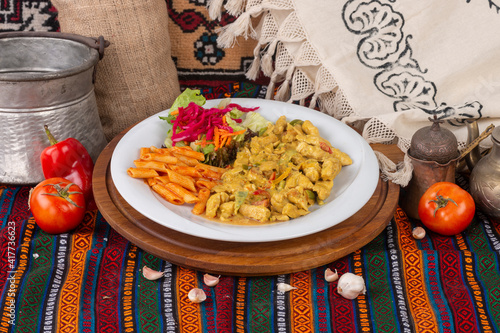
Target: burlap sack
137	76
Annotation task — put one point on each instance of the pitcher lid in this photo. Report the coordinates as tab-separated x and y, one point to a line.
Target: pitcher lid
434	143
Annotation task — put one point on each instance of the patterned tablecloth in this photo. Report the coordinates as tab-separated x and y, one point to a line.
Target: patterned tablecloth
90	280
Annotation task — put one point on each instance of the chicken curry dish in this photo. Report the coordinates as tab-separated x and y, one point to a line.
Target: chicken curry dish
277	176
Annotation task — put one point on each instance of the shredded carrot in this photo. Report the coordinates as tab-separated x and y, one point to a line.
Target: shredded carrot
221	138
238	132
173	113
216	138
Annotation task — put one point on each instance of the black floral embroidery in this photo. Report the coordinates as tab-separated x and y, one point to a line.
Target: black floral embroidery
383	46
493	4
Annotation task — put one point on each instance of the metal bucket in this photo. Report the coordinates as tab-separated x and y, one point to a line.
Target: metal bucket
46	78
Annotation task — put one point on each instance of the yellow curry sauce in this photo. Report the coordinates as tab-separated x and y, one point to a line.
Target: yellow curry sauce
277	176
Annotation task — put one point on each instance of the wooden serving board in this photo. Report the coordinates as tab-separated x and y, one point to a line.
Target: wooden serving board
239	258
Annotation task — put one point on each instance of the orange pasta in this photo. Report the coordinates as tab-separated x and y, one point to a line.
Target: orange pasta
177	175
186	171
205	183
182	192
208	173
151	181
184	181
164	158
144	151
155	150
168	195
187	160
141	173
200	167
200	206
158	166
162	179
188	152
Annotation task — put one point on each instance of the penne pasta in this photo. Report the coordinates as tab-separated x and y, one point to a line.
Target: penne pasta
151	181
177	175
187	160
184	181
168	159
141	173
158	166
187	151
205	183
168	195
143	152
186	171
210	167
162	179
182	192
208	173
200	206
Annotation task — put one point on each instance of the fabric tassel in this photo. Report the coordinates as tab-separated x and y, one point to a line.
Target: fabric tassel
270	87
314	98
399	174
215	9
267	58
283	91
235	7
254	69
241	27
226	38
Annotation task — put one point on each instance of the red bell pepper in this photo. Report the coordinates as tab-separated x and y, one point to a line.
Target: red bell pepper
70	160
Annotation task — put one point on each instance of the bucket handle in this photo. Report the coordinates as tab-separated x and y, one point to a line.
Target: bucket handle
98	43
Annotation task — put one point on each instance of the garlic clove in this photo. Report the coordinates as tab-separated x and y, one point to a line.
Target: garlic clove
330	275
418	233
197	295
211	280
151	274
283	287
351	285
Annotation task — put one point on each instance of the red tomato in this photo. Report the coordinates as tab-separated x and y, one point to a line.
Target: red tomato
57	205
446	208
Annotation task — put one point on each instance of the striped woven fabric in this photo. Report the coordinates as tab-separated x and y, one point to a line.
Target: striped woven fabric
90	280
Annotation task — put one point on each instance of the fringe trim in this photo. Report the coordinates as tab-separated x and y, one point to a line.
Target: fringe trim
253	71
267	58
215	9
241	27
235	7
400	173
277	63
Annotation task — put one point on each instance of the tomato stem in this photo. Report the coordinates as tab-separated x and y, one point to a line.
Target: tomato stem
63	192
441	202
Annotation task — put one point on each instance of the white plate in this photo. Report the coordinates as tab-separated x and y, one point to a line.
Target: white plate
352	189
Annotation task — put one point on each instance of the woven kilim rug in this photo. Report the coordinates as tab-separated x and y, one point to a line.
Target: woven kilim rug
90	280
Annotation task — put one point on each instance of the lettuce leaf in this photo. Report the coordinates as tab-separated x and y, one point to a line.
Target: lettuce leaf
255	122
183	100
187	97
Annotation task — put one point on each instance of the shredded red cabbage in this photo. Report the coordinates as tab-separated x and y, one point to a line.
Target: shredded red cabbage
194	121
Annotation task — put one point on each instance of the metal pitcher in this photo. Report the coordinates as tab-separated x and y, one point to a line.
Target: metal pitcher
46	78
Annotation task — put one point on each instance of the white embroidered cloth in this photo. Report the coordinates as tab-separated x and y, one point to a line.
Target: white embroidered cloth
392	64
